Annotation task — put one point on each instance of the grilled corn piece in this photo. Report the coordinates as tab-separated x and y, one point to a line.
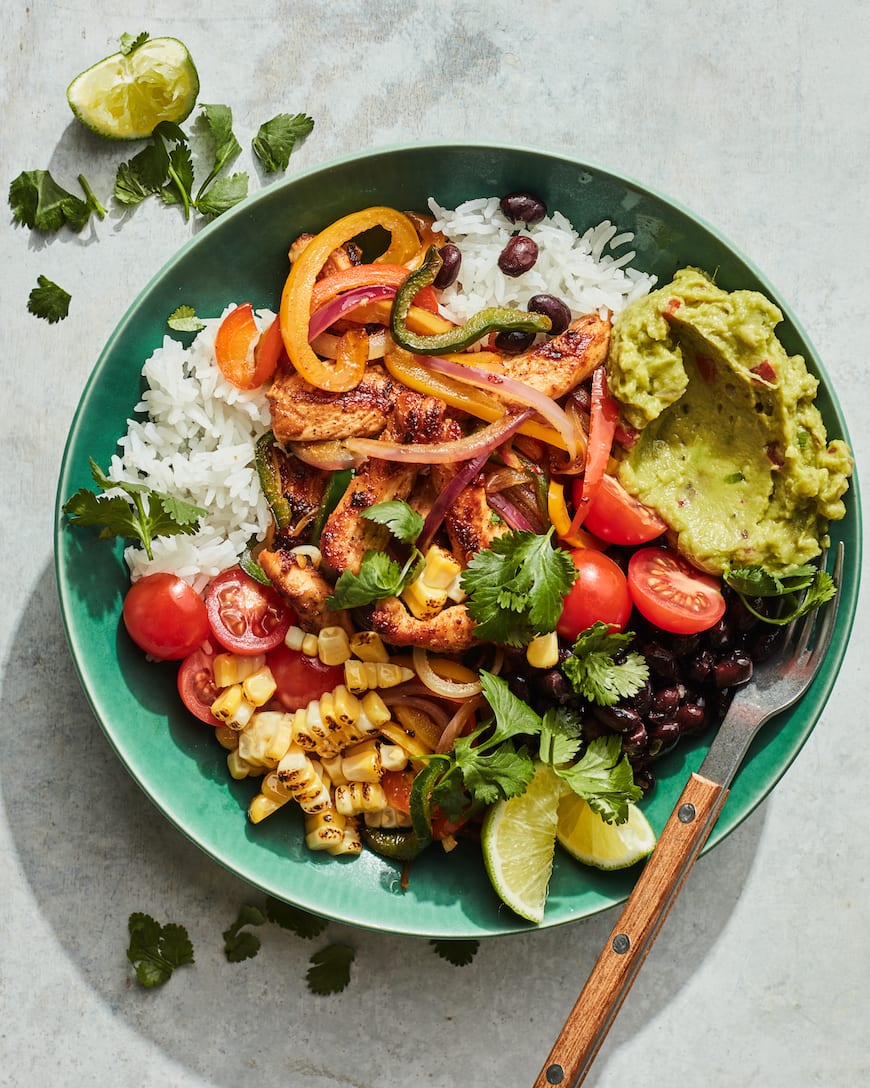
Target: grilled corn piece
427	594
368	646
360	676
359	797
543	652
332	832
388	818
298	773
232	669
266	738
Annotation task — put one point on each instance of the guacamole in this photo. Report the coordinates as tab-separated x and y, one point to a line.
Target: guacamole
731	449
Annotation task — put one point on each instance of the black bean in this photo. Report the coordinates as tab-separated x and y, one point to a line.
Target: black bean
645	778
642	700
693	717
518	255
662	661
451	259
734	668
515	342
555	686
634	742
663	737
699	669
552	307
523	207
619	718
666	700
762	645
720	635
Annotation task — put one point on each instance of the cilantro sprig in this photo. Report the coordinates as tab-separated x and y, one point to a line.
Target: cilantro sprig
48	300
137	514
277	137
494	762
800	589
380	575
516	587
156	950
39	202
602	669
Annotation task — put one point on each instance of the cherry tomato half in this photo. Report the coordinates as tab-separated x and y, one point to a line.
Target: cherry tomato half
165	616
397	788
196	686
671	593
301	678
245	616
600	593
617	517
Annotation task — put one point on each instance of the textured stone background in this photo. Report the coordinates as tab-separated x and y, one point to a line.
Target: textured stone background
756	118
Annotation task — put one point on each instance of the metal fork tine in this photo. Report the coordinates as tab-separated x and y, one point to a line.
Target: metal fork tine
806	628
829	613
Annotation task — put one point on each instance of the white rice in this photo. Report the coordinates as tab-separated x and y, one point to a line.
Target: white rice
586	271
196	433
196	441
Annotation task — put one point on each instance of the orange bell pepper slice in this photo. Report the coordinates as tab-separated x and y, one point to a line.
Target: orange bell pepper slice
246	357
342	374
560	519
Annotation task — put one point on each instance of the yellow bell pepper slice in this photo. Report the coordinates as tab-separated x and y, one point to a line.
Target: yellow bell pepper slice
295	310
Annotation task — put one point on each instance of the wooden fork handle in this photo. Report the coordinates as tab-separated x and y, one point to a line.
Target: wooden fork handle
621	958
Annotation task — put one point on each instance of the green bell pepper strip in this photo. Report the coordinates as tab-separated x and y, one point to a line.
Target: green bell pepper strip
270	480
492	319
336	487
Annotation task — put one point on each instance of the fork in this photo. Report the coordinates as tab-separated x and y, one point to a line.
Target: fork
776	685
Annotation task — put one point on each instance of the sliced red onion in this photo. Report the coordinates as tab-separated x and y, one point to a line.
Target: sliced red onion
485	440
447	497
337	307
332	455
511	389
436	711
514	517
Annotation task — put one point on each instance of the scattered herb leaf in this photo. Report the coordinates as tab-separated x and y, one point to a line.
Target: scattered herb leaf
298	921
184	319
40	203
402	520
329	972
459	953
799	589
130	42
516	586
219	120
48	300
603	777
155	950
239	943
593	668
380	576
142	515
222	195
276	139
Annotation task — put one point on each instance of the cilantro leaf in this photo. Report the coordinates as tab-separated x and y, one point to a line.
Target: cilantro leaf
492	774
379	576
276	139
298	921
459	953
129	42
48	300
241	944
145	174
155	950
516	586
799	589
603	778
219	120
223	194
329	972
401	519
561	736
142	515
40	203
184	319
594	671
512	716
180	175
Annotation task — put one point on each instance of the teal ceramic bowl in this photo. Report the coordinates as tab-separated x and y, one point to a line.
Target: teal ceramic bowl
242	256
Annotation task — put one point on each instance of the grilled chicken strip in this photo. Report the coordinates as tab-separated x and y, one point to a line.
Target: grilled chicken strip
450	632
469	520
304	587
301	413
555	366
347	535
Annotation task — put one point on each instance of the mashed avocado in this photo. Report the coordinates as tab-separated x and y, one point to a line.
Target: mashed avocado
731	449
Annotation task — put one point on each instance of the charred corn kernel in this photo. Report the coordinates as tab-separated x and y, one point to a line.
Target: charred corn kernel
325	830
226	737
423	601
440	568
351	843
360	676
393	757
260	686
239	768
309	552
543	652
272	787
388	818
405	739
298	774
347	706
333	647
294	638
232	708
368	646
362	762
266	738
375	710
262	806
309	645
332	766
358	797
455	592
234	668
418	724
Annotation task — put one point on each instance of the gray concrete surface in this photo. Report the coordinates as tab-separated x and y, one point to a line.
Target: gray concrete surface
755	116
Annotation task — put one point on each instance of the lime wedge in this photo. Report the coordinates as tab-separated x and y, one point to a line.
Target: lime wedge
126	97
519	839
586	836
